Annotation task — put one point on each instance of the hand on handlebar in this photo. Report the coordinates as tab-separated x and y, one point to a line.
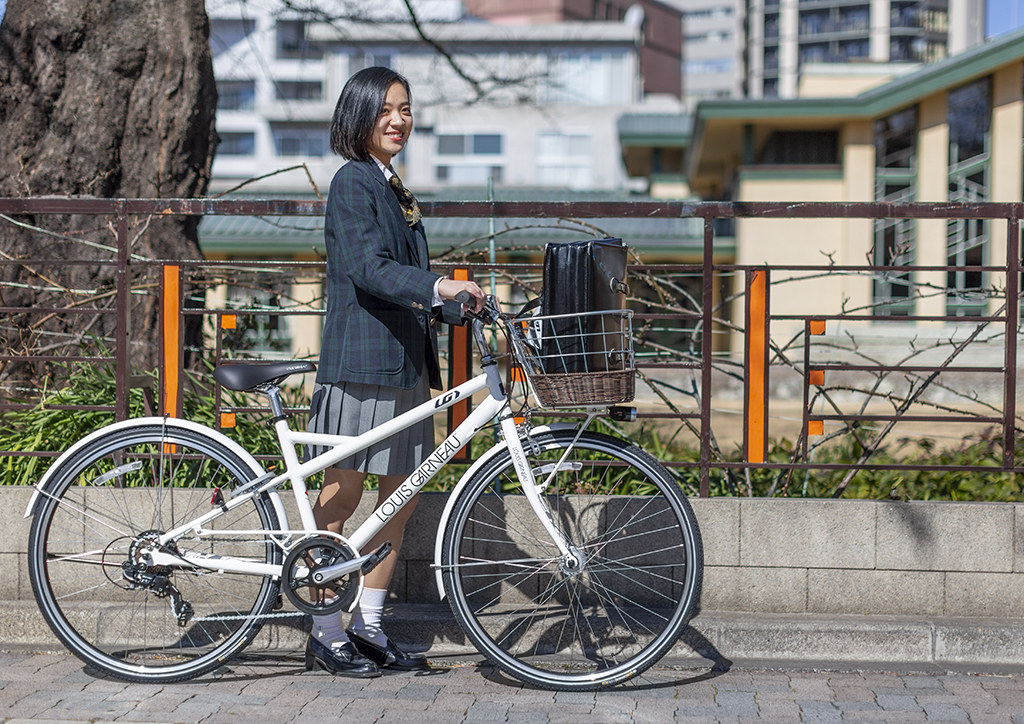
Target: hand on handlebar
489	310
467	293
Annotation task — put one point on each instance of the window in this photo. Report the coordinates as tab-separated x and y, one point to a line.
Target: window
970	111
299	90
237	144
896	140
480	144
304	141
564	159
451	145
486	144
236	95
581	78
468	159
224	34
708	66
969	116
468	175
716	12
360	61
895	239
801	148
916	49
291	40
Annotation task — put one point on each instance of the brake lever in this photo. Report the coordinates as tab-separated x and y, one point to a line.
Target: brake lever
490	310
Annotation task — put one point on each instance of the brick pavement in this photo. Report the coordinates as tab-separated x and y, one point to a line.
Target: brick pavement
275	690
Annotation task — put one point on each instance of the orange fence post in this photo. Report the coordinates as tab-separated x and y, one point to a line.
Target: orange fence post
460	367
170	398
755	402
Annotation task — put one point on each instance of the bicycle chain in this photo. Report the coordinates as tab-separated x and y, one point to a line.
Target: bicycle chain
286	614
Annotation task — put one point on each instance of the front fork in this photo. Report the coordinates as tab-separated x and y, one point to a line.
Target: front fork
572	557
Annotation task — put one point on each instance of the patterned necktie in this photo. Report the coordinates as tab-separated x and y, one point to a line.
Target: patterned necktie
410	209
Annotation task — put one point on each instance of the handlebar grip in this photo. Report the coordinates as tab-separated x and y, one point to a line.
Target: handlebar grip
464	298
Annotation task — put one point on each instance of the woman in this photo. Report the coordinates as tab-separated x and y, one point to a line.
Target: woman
379	353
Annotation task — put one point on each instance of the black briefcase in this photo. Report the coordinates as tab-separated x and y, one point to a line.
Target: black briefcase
581	280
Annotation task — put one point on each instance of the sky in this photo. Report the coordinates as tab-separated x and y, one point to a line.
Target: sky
1002	16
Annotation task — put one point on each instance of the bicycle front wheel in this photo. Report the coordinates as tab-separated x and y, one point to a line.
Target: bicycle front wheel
87	561
557	626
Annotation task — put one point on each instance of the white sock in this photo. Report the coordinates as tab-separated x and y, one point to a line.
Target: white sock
366	619
327	630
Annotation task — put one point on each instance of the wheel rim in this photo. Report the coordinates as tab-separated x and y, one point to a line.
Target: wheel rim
543	621
126	487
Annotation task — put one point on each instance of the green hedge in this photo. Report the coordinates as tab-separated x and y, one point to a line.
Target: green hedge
43	428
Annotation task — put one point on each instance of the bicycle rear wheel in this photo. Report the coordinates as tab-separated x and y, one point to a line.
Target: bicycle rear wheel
87	564
611	618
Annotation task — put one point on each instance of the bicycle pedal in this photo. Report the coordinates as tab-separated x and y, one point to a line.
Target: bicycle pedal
376	557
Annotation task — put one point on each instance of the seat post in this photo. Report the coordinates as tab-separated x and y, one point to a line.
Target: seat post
273	393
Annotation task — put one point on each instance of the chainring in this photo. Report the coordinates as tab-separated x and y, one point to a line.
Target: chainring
303	561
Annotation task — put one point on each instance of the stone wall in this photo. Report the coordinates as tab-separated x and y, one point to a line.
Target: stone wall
763	556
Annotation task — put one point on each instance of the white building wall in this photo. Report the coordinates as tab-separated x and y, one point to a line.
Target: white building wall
560	133
713	44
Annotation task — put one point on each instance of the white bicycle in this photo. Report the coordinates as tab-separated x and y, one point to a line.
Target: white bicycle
571	559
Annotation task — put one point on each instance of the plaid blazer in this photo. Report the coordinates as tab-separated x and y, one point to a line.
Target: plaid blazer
379	328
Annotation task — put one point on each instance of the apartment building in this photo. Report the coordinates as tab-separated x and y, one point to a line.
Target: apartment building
541	110
714	49
784	36
660	21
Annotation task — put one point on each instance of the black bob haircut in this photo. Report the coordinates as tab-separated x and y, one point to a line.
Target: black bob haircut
358	106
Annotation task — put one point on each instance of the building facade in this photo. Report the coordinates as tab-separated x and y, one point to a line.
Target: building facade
786	35
714	50
660	22
541	111
950	131
538	121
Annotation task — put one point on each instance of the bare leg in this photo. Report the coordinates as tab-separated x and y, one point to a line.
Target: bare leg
338	498
380	577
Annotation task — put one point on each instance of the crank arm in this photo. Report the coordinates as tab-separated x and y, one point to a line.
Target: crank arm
364	564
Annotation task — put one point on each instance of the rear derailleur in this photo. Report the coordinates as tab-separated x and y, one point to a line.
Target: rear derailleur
139	574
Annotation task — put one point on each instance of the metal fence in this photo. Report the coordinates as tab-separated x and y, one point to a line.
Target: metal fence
712	338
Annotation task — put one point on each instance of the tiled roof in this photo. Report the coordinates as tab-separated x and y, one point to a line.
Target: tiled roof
276	236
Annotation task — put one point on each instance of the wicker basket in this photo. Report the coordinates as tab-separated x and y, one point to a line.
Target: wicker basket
577	360
587	388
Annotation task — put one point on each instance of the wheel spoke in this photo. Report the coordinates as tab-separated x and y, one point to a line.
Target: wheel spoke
105	506
562	626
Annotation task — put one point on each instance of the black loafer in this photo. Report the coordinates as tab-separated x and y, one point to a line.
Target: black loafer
388	657
340	660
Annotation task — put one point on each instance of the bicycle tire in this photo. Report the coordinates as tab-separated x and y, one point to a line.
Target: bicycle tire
574	630
100	501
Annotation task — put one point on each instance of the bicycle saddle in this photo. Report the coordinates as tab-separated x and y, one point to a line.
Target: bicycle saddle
247	376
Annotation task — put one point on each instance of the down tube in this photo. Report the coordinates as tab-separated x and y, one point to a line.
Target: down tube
461	437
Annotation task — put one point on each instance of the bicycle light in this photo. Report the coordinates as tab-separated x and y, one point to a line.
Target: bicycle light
622	414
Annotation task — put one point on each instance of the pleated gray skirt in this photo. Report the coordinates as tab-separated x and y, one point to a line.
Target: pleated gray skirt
346	408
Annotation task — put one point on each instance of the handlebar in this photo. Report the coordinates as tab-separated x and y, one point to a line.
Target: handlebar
490	312
488	315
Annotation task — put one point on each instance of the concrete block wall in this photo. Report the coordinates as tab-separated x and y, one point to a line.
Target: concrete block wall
761	555
863	557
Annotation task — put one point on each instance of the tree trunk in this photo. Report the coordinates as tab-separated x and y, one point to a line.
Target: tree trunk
102	98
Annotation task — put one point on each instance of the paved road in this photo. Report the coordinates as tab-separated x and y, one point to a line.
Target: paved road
276	690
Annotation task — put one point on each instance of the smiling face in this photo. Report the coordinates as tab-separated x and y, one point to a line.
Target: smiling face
393	125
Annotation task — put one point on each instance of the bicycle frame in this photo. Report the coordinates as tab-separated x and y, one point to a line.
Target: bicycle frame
341	447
